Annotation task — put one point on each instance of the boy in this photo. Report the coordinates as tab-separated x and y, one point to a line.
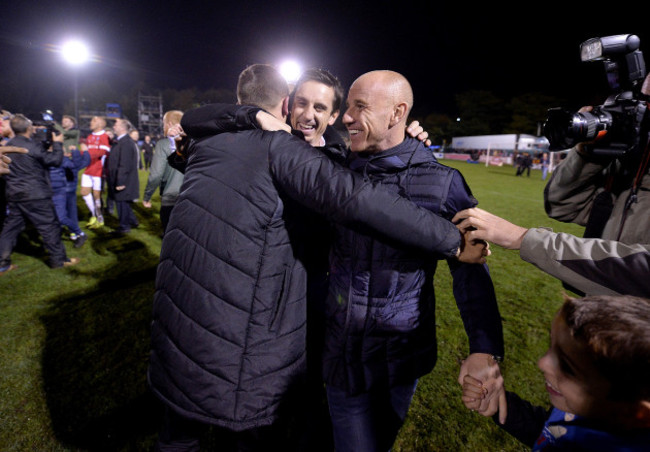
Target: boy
597	373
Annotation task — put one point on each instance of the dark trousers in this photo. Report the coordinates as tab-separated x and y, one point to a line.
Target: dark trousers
178	434
369	421
126	216
165	213
41	214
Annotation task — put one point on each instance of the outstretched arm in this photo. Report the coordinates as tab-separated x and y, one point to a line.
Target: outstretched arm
5	160
479	224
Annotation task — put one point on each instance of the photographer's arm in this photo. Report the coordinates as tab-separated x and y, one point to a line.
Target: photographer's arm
594	266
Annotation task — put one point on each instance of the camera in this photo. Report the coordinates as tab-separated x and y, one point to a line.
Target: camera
615	127
44	125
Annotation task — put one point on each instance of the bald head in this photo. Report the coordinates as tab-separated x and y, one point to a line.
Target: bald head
378	106
394	86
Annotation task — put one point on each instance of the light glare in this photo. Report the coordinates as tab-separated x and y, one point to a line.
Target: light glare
75	52
291	71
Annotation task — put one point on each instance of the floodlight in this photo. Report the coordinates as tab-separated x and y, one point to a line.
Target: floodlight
75	52
290	70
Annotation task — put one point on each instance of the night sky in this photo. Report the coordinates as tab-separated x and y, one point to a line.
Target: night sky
443	50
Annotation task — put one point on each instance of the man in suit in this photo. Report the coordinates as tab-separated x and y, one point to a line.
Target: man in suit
123	183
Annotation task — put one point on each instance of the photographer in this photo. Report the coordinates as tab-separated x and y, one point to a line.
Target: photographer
607	193
29	195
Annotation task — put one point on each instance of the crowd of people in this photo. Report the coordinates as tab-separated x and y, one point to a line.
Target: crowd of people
53	163
297	267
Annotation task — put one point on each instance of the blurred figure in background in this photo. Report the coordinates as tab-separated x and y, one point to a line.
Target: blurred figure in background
161	174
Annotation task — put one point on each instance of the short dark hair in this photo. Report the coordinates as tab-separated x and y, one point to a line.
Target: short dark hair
326	78
261	85
19	124
71	118
616	331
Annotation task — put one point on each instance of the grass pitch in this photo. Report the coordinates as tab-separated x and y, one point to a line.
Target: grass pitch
74	342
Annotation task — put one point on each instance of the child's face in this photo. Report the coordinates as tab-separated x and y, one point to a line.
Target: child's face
572	380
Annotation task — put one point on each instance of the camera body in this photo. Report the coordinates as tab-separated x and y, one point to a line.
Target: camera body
614	128
44	128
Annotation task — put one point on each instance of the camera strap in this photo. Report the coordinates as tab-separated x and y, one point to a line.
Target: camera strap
638	178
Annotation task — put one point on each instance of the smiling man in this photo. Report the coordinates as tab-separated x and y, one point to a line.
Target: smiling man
315	104
380	312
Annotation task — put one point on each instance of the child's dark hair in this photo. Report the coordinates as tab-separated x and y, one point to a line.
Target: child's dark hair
616	329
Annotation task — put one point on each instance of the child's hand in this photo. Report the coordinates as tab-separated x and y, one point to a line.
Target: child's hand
473	392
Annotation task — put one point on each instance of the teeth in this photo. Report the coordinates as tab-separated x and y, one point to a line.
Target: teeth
552	387
305	126
353	132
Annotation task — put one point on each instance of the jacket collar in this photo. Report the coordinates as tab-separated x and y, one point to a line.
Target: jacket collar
409	152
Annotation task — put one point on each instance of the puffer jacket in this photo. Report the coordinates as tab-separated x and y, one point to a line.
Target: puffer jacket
228	329
381	327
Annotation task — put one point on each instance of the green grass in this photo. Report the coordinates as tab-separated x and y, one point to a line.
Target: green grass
74	342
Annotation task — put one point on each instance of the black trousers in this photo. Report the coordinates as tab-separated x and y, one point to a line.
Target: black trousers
178	434
126	216
41	213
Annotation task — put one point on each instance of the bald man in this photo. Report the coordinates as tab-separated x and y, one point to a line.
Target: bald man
380	334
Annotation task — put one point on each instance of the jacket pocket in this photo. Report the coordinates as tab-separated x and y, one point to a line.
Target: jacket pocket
280	305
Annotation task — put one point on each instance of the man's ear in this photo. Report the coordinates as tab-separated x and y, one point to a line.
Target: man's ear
285	107
399	113
332	119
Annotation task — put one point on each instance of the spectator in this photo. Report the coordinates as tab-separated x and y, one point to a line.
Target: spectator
29	196
6	134
63	180
161	174
68	128
98	143
545	164
135	136
123	182
597	375
148	150
525	163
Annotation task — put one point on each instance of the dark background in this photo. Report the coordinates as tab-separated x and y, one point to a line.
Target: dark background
443	48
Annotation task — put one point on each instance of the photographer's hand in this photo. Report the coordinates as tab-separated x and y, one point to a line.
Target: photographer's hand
479	224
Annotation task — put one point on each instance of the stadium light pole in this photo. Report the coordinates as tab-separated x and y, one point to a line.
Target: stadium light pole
76	54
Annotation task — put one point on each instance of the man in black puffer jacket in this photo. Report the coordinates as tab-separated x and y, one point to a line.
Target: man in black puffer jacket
228	330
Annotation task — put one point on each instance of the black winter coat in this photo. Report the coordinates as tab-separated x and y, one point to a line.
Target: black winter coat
29	178
123	170
228	330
